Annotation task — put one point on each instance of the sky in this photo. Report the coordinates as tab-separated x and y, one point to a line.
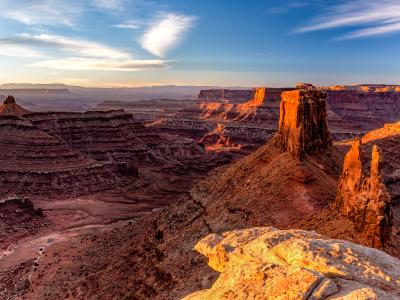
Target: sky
129	43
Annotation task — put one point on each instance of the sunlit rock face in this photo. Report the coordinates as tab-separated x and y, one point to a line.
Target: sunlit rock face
302	125
266	263
364	199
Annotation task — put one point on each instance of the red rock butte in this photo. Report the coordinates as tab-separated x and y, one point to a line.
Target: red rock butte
302	125
10	107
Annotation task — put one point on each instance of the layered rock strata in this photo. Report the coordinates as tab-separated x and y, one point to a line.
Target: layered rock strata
266	263
364	198
36	162
302	125
101	135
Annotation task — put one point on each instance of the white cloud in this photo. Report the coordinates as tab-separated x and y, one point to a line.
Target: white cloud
19	51
41	12
376	18
109	4
67	44
87	55
127	25
101	64
166	33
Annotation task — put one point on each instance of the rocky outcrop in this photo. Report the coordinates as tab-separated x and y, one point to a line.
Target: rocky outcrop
364	199
9	107
266	263
302	126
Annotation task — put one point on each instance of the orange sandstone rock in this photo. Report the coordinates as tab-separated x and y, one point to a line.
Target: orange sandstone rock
302	126
364	199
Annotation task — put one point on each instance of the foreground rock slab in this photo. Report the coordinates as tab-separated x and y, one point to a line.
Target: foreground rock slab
267	263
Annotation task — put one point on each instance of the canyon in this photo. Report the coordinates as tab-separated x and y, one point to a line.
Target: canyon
127	190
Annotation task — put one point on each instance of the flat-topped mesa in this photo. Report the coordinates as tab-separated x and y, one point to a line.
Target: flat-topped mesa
302	125
364	199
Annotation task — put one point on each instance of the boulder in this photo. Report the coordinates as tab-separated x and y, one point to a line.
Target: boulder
267	263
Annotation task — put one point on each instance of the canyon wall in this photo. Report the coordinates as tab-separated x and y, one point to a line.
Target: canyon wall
348	108
101	135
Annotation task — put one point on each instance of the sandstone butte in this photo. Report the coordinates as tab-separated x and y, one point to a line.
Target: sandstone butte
302	125
9	107
364	199
266	263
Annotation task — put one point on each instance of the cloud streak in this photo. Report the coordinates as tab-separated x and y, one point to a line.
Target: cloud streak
41	12
127	25
101	64
374	18
87	55
166	33
66	44
109	4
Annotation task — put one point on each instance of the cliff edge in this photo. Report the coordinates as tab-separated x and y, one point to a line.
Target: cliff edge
266	263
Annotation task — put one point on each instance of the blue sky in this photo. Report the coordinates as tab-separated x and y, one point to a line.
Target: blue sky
113	43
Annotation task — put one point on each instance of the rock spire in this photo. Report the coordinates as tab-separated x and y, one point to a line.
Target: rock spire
364	199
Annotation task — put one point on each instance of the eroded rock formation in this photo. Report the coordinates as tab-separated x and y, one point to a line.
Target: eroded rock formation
302	125
9	107
266	263
364	198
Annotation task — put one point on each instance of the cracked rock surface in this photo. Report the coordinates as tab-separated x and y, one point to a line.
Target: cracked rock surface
267	263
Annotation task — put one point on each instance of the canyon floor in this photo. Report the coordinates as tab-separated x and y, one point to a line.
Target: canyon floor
188	171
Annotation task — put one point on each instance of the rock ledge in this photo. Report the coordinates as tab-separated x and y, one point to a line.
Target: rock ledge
266	263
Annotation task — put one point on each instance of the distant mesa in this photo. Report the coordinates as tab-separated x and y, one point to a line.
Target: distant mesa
364	199
303	127
305	86
10	107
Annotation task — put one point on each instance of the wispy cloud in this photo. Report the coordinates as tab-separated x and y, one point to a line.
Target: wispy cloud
41	12
86	55
67	44
375	18
19	51
128	25
286	6
109	4
101	64
166	32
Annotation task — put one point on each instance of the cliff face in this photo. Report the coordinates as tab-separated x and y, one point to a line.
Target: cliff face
364	199
302	125
247	124
266	263
225	94
35	162
358	111
101	135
